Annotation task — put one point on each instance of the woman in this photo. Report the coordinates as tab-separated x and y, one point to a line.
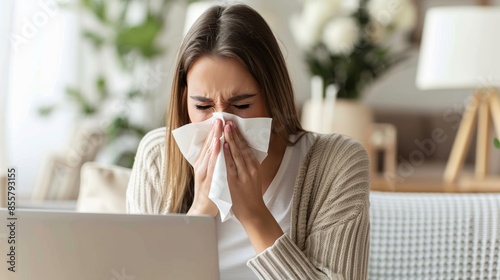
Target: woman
303	212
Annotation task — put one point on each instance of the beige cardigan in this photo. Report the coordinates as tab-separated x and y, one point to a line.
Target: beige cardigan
330	225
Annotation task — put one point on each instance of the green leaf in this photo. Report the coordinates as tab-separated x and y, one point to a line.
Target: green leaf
76	95
101	10
46	111
114	128
85	106
125	159
139	131
120	126
123	13
97	7
89	110
102	88
86	3
496	142
140	38
134	94
95	38
120	54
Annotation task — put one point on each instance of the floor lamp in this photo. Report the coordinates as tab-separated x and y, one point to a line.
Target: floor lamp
460	50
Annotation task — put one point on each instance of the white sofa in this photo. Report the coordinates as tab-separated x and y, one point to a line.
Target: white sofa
413	235
434	236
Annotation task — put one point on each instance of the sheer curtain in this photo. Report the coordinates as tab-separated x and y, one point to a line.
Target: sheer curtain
6	8
42	62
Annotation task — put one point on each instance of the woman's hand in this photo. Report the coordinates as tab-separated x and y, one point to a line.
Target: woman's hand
203	172
245	185
243	175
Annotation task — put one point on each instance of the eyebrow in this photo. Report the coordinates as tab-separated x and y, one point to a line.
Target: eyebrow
235	98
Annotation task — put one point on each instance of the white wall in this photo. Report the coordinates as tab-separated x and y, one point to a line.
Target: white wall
396	90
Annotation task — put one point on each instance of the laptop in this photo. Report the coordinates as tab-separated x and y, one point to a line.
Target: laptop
61	246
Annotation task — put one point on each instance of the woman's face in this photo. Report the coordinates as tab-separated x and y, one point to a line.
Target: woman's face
222	85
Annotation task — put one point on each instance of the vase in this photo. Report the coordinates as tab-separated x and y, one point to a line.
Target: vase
351	118
347	117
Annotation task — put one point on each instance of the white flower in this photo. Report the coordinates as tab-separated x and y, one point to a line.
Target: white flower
321	11
307	27
349	6
375	32
383	11
305	34
407	18
341	35
400	13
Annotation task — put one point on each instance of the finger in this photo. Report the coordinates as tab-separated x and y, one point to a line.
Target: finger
218	126
208	141
230	165
206	144
202	165
247	151
238	138
243	146
212	157
236	153
211	152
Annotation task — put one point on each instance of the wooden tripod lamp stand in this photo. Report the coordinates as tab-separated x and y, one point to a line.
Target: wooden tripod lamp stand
460	50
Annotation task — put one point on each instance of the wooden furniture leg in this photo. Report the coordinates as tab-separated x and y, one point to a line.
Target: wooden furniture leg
495	112
483	139
461	143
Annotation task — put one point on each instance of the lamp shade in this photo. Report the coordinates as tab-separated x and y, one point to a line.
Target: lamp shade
460	48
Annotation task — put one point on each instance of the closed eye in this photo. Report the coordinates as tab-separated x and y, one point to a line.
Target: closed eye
242	107
203	108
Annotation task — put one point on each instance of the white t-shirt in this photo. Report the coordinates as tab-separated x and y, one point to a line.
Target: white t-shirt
235	248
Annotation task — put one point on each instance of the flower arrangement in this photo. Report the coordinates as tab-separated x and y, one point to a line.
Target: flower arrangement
348	43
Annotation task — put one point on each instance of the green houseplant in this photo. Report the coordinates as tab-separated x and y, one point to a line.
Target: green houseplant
133	43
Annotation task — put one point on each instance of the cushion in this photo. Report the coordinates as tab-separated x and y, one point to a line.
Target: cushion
103	188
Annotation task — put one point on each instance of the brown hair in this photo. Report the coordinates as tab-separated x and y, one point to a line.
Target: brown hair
234	31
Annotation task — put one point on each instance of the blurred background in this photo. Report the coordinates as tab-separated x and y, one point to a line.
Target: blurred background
84	80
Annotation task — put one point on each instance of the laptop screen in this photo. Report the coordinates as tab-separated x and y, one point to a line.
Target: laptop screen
62	245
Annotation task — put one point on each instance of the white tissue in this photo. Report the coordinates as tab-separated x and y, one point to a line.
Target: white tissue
191	137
